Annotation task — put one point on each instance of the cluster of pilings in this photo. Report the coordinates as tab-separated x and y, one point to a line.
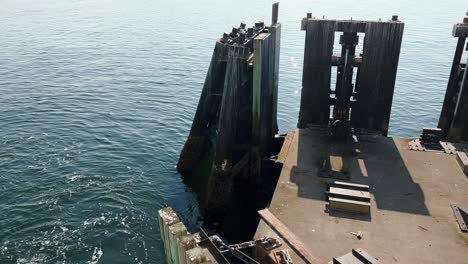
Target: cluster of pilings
454	115
367	102
236	114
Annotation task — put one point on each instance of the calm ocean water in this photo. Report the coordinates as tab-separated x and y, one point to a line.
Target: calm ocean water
97	97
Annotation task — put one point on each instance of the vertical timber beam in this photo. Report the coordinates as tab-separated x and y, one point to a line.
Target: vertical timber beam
318	51
261	94
453	120
377	75
275	31
448	108
459	127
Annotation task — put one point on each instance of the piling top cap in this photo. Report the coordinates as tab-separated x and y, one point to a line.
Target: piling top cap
394	18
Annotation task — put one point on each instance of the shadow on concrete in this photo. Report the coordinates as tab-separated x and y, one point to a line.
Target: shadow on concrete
372	160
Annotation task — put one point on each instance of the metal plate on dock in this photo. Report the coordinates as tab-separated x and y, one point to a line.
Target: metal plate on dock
356	256
461	213
445	147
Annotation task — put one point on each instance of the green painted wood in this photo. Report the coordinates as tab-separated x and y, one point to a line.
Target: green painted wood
185	243
176	231
275	31
167	218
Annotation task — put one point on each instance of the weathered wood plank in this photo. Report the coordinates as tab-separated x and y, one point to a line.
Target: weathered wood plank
275	31
285	148
318	50
288	236
274	13
167	218
261	93
349	185
176	231
377	75
462	159
362	195
349	205
341	25
195	255
185	243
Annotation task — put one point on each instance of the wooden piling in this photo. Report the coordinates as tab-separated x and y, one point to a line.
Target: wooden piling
167	218
205	119
318	51
237	113
453	117
185	243
377	75
176	231
459	127
261	93
230	126
448	107
375	79
180	246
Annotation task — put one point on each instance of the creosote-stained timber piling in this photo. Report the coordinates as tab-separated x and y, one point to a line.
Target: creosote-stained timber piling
454	114
236	114
371	95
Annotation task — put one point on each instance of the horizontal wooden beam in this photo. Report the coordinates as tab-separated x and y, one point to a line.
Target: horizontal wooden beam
460	30
288	236
345	25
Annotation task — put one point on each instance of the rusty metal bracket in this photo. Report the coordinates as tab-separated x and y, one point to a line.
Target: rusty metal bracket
461	213
283	257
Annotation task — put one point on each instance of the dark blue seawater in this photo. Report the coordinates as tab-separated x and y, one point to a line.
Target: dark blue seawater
97	98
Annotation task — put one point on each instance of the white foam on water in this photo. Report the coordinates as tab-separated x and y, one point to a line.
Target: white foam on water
97	254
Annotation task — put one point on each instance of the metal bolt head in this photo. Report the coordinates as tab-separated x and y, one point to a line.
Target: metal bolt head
309	15
394	18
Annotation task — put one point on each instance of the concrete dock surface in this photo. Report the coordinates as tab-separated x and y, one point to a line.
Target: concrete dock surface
410	218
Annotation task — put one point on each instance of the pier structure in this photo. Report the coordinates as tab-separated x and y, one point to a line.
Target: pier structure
236	117
341	190
370	198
